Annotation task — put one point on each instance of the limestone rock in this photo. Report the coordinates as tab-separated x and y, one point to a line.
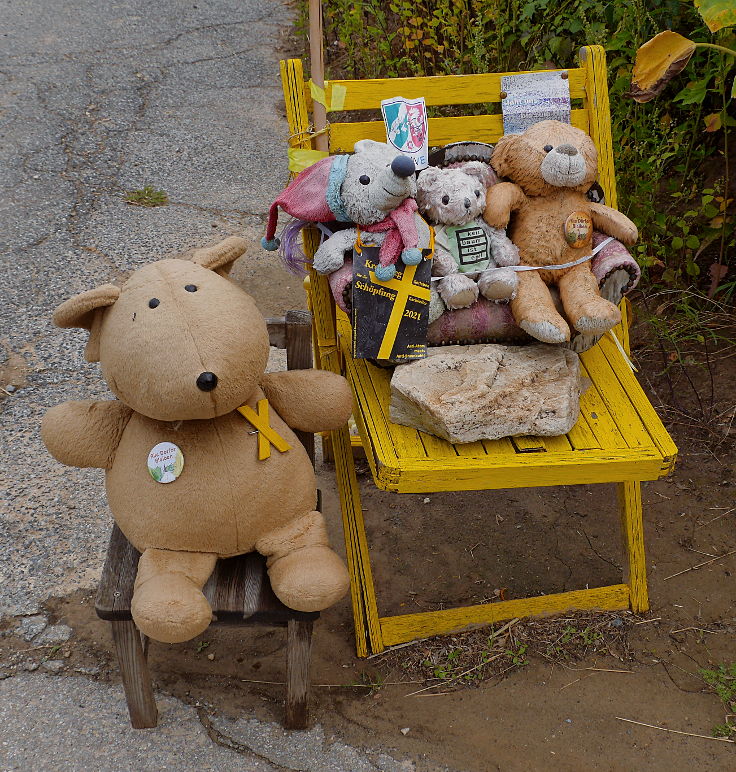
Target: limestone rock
468	393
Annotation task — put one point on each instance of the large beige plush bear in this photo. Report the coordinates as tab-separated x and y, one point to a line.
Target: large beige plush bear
549	169
182	348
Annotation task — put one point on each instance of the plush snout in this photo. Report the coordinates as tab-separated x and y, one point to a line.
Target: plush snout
564	167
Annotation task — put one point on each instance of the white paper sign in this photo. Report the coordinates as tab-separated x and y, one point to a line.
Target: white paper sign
406	127
532	97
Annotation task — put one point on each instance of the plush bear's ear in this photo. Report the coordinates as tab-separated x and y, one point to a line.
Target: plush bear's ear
221	257
85	310
501	157
482	171
428	176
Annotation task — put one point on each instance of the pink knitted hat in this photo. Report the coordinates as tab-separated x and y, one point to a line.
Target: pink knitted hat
313	195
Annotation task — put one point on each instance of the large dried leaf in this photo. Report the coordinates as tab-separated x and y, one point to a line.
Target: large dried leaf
717	13
657	62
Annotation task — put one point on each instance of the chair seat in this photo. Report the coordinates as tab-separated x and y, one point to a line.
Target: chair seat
617	438
238	591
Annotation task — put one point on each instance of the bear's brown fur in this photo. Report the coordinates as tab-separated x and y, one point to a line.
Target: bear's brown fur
225	502
550	167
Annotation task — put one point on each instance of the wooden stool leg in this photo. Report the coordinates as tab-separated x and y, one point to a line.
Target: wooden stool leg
632	528
135	675
298	653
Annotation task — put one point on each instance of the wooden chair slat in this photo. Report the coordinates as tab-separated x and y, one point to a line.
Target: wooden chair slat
437	90
442	131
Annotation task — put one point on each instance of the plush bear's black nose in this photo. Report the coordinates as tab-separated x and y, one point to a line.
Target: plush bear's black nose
566	149
206	381
467	203
402	166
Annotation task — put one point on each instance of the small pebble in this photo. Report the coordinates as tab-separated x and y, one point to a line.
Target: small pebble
11	389
405	731
67	654
30	666
210	657
54	634
426	501
53	665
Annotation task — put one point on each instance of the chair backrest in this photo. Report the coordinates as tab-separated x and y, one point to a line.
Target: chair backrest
588	91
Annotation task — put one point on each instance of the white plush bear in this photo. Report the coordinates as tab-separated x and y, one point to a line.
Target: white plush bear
469	255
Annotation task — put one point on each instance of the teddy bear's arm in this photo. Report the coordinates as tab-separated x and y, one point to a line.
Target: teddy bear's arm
309	400
614	223
331	253
443	263
501	201
503	251
85	433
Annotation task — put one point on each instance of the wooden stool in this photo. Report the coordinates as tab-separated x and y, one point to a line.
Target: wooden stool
238	591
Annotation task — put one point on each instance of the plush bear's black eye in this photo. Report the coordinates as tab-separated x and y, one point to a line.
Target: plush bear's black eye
445	199
364	179
190	288
153	302
477	194
547	148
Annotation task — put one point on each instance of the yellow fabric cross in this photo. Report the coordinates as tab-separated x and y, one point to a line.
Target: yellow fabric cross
266	435
405	288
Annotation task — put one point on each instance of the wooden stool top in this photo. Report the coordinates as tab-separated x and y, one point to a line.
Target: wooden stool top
238	591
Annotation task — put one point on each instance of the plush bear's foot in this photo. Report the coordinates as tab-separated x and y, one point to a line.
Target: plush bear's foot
545	331
168	604
436	304
458	291
595	317
310	579
498	284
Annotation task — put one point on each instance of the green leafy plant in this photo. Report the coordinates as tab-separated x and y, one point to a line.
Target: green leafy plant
147	196
722	680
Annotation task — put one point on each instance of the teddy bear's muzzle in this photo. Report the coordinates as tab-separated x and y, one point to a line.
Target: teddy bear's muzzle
563	167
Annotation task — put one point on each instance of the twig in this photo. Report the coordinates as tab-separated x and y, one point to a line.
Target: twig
647	621
676	731
392	648
700	565
728	512
455	678
336	686
699	629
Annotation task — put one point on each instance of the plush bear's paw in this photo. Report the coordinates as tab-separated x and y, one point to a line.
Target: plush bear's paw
545	331
498	284
170	608
458	291
309	579
436	305
411	256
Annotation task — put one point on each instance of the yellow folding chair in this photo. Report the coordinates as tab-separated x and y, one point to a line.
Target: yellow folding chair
618	438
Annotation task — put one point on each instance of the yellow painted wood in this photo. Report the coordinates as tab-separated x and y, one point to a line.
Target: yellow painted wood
438	90
478	128
409	627
618	438
632	528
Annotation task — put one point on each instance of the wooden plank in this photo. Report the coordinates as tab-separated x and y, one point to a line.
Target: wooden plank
632	529
581	436
135	675
616	398
118	577
639	400
298	654
410	627
478	128
299	357
437	90
524	470
470	449
528	444
595	412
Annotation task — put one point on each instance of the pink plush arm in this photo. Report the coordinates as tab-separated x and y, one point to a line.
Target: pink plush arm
85	433
309	400
501	201
614	223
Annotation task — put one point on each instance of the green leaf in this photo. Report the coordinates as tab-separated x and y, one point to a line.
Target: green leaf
677	243
692	242
694	93
717	13
156	473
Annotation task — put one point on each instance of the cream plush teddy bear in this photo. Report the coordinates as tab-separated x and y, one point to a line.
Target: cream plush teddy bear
469	255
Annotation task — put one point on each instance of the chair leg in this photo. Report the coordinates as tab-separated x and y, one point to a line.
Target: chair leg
298	653
632	528
136	678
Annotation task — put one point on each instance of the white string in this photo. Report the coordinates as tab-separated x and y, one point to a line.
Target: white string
580	260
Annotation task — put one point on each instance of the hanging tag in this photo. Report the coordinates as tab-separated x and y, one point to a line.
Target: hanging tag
165	462
531	97
578	229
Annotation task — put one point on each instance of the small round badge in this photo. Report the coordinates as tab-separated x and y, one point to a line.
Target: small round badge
165	462
578	229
